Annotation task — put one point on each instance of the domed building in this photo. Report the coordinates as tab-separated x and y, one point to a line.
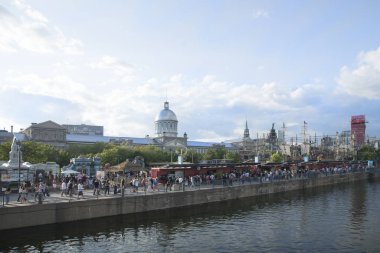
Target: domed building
166	122
166	125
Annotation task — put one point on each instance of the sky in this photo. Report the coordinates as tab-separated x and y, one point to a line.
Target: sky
218	63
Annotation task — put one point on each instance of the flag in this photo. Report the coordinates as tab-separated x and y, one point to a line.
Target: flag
305	122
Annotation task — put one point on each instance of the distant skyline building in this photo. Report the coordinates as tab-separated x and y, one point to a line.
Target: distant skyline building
358	130
84	129
166	122
47	132
166	125
246	131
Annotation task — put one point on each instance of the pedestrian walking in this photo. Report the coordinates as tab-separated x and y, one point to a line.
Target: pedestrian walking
114	188
19	193
70	187
96	187
136	185
80	190
36	188
7	195
107	187
24	194
63	188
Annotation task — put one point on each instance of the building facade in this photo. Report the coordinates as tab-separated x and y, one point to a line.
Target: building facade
166	135
166	125
5	135
84	129
358	130
47	132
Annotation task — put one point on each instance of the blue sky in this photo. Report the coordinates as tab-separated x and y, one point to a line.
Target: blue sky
219	63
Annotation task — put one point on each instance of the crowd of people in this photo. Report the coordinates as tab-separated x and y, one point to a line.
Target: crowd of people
75	185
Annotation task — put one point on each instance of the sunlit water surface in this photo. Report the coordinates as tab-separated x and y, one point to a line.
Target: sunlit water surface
342	218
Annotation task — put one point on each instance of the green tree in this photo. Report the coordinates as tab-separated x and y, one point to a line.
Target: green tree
276	158
63	157
191	156
235	157
75	150
368	153
215	153
5	147
34	152
109	155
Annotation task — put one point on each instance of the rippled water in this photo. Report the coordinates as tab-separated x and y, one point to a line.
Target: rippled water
342	218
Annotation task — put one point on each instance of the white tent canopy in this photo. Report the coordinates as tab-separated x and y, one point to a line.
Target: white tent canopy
68	172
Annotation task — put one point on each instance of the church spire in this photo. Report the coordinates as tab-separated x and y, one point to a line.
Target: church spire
246	131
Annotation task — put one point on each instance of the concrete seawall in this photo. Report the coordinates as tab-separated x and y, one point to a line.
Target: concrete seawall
25	216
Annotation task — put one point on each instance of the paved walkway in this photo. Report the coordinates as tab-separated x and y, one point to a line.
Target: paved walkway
55	196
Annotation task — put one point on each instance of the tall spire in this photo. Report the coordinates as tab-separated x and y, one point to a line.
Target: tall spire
246	130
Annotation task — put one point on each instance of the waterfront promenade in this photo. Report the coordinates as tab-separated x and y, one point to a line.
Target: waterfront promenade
55	195
88	194
57	209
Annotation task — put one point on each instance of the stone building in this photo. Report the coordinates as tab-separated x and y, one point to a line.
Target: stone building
47	132
84	129
247	146
5	135
166	135
166	124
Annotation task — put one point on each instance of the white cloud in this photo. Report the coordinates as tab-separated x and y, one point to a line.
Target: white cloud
176	78
30	30
30	12
260	14
60	87
121	69
364	81
129	108
211	136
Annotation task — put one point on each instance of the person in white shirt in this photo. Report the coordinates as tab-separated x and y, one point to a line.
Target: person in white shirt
63	188
80	190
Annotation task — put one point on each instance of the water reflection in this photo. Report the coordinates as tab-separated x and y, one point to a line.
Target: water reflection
314	219
358	207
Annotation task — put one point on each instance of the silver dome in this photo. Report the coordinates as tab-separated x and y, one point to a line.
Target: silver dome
166	114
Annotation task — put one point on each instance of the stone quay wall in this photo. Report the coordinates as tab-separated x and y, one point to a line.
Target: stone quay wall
26	216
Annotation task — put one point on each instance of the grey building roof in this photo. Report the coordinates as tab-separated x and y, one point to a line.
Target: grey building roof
87	138
76	138
96	138
207	144
200	144
166	114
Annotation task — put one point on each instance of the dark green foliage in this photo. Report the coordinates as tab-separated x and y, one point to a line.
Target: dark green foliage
5	147
111	153
368	153
215	153
276	158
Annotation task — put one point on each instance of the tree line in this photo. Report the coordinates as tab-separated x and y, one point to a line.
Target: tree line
35	152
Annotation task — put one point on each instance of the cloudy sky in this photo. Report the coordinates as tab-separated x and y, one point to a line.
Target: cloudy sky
218	63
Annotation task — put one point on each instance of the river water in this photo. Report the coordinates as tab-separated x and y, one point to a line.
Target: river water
340	218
